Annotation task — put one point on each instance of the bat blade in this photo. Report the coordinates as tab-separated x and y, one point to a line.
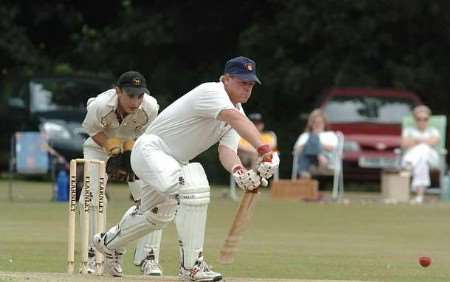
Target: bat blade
239	225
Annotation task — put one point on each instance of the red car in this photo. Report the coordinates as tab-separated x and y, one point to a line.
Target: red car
370	120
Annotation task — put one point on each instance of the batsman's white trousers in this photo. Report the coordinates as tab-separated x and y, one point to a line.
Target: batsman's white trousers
163	174
421	158
162	177
154	166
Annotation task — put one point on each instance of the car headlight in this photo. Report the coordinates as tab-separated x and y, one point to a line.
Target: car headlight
55	131
351	146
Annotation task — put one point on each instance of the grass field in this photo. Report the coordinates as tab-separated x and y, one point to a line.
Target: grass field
361	240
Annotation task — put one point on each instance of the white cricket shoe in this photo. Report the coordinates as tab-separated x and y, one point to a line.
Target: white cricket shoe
91	265
150	267
113	258
199	272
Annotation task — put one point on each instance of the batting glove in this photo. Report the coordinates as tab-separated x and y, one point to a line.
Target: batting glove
268	162
247	180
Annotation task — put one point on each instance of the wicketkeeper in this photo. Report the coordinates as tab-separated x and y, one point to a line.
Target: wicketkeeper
115	119
210	113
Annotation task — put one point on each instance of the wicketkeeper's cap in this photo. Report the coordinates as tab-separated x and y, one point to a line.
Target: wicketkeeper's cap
133	83
243	68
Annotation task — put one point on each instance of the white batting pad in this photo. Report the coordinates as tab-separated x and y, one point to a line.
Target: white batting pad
191	216
150	243
136	224
135	189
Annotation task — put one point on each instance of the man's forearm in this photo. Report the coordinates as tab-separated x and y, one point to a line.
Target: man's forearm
244	127
228	158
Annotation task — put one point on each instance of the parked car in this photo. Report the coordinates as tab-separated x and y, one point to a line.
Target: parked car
370	120
54	105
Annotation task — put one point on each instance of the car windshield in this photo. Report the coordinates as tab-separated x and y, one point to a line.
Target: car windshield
53	94
376	109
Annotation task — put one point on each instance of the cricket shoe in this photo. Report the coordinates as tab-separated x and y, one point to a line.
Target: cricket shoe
199	272
150	267
113	258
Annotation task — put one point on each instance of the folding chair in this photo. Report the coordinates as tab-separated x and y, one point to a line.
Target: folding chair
28	156
334	168
440	123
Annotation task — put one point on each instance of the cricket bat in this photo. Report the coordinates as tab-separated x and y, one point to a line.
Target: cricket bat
240	223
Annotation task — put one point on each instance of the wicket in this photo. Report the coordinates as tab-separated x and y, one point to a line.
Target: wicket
84	213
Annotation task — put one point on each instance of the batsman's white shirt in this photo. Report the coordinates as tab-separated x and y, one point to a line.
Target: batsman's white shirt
190	125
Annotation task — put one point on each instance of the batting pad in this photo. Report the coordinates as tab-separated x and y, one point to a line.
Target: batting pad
150	243
136	224
136	189
191	216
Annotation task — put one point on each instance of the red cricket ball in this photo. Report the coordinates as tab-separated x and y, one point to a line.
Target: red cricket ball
425	261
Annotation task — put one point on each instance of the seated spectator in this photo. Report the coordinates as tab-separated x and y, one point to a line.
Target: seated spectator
246	152
315	145
419	144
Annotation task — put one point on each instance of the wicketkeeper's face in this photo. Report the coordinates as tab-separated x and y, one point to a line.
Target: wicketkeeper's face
239	90
128	102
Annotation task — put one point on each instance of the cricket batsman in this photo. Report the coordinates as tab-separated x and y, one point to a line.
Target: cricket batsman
176	189
114	119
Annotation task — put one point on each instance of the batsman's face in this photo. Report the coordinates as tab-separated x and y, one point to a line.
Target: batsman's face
129	103
238	90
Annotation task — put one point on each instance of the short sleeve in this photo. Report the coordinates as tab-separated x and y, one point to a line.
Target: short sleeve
330	138
151	107
211	101
92	123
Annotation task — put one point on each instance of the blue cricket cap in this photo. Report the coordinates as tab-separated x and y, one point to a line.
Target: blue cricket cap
242	68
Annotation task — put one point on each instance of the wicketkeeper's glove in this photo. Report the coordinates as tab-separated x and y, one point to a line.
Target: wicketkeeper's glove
113	146
268	162
118	167
247	180
115	169
127	147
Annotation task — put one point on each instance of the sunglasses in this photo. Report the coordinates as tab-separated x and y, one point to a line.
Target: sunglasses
422	119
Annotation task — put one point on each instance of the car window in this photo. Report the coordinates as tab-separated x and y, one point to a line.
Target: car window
367	109
62	94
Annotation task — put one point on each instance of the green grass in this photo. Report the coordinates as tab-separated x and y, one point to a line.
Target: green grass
362	240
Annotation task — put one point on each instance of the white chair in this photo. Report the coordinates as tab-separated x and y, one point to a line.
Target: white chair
334	168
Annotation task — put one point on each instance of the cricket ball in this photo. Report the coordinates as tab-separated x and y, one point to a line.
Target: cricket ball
425	261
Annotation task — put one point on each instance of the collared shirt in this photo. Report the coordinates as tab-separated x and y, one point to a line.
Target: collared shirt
190	125
101	116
